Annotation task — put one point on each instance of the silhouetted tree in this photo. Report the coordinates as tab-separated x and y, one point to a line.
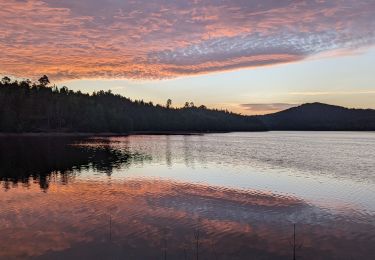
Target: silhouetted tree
5	80
169	103
44	81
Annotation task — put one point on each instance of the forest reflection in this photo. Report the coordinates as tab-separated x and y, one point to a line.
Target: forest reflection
147	196
40	159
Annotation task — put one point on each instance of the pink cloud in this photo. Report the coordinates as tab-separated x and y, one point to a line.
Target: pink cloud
156	39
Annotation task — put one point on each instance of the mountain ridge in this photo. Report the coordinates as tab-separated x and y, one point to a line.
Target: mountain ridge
320	116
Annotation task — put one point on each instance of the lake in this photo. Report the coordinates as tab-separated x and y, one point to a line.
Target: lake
268	195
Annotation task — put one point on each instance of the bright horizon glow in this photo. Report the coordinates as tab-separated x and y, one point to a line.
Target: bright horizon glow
345	81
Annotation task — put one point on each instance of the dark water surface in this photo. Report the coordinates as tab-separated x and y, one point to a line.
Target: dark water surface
221	196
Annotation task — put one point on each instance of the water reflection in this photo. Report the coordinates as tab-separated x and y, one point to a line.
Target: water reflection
43	159
74	221
147	197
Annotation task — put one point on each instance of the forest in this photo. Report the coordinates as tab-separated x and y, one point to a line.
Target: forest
38	107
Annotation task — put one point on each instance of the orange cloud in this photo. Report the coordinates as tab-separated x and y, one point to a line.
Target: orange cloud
152	40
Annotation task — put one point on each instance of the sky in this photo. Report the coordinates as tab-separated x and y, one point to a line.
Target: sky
248	56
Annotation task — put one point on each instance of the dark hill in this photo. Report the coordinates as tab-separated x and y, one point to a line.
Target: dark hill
321	117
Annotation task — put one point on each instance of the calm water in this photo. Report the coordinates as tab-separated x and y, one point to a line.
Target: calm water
234	196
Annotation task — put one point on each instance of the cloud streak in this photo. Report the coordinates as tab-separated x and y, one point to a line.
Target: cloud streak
157	39
264	108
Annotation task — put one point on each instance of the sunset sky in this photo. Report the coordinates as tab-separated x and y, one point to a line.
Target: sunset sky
248	56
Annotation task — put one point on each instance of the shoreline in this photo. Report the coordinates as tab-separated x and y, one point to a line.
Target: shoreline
80	134
109	134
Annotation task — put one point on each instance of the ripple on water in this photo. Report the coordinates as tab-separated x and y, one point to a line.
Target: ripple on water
243	192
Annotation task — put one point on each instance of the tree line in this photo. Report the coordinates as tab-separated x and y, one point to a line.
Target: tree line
38	107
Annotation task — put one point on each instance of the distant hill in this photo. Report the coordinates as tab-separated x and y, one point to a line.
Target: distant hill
321	117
